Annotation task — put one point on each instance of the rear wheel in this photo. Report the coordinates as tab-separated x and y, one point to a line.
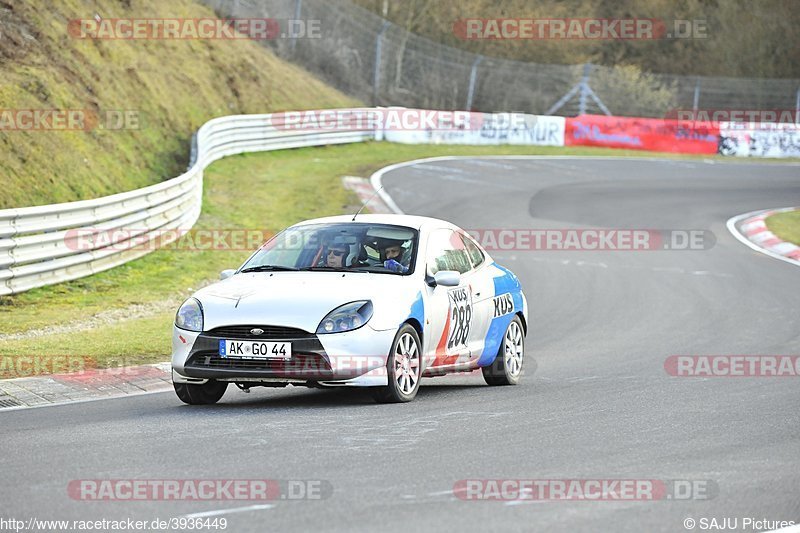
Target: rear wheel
208	393
507	366
403	368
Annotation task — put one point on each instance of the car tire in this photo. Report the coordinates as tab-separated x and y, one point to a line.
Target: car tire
403	368
208	393
506	369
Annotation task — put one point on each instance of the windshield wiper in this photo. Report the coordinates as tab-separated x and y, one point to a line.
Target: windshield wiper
269	268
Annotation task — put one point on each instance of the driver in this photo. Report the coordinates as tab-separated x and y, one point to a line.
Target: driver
336	255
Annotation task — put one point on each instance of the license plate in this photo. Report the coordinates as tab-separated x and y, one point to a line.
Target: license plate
255	349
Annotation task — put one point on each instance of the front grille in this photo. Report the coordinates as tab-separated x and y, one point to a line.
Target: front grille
303	365
270	333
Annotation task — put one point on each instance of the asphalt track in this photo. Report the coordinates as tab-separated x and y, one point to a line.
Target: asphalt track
598	405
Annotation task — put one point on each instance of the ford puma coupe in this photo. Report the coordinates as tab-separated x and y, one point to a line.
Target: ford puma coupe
375	301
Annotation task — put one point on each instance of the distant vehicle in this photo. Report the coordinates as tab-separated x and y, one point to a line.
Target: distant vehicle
374	301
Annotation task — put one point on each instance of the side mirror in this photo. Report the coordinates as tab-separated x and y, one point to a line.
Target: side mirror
225	274
447	278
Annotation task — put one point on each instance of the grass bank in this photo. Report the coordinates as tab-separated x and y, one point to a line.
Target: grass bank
170	87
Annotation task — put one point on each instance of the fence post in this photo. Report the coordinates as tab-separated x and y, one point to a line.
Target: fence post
377	73
696	101
587	68
298	9
473	75
797	107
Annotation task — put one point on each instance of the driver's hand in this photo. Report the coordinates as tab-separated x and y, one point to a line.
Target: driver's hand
394	266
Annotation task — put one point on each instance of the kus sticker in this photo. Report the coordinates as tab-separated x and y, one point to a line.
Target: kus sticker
503	304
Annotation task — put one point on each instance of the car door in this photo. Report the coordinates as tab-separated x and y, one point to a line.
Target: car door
481	287
450	308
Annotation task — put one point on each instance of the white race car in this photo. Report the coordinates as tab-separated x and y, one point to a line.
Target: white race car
376	301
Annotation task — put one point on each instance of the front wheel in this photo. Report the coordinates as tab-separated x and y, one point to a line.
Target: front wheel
507	366
403	368
208	393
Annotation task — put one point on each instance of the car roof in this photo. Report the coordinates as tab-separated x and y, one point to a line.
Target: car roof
410	221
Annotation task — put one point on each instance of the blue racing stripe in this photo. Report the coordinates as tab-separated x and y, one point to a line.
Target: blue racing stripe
507	282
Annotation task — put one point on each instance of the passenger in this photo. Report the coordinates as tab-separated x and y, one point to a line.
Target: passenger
391	255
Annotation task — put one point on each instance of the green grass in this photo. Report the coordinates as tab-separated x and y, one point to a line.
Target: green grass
132	342
786	226
265	191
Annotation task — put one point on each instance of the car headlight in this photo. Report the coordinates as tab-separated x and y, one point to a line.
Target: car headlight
346	317
190	315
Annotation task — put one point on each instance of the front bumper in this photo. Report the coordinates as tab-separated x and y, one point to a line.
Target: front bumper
351	358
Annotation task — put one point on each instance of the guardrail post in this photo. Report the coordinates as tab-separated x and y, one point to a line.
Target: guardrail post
473	75
193	153
696	101
377	72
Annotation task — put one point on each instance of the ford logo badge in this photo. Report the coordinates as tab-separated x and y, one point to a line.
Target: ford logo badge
256	331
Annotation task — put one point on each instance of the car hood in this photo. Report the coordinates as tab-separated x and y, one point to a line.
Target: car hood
295	299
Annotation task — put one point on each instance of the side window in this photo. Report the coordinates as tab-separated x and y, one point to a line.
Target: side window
446	251
475	254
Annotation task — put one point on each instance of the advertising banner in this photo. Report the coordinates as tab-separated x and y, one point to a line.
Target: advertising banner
655	134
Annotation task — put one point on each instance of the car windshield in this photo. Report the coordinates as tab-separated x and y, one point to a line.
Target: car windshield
345	246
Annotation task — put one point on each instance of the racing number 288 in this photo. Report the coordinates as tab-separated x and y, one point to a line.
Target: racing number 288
460	318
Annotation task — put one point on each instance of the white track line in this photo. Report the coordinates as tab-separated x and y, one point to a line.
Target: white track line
219	512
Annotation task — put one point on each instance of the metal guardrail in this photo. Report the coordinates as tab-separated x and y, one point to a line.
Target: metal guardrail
35	242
